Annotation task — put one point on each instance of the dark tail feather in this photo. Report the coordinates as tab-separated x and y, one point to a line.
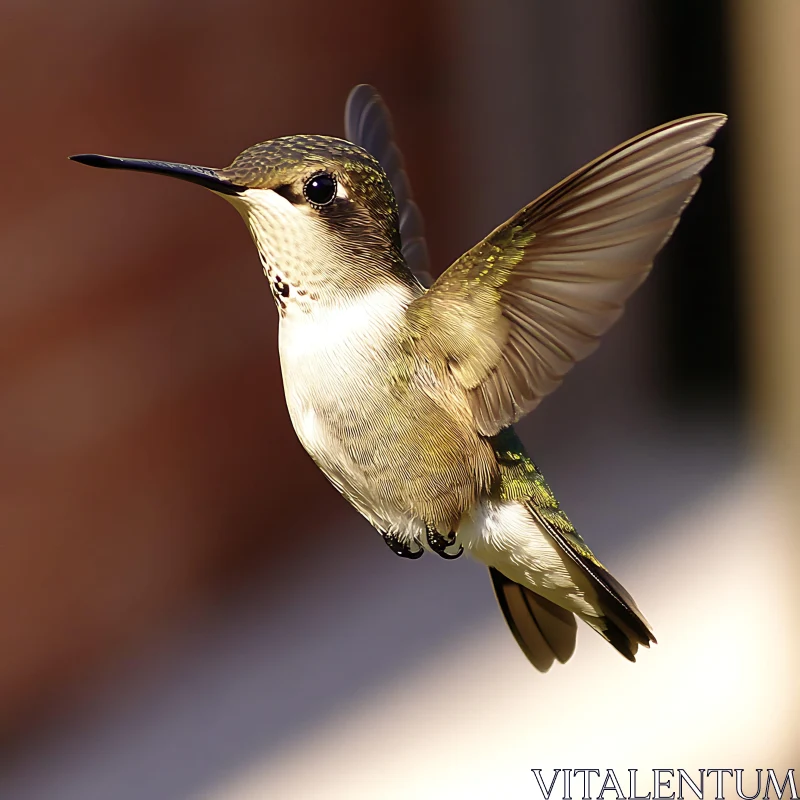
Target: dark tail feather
545	632
622	624
626	627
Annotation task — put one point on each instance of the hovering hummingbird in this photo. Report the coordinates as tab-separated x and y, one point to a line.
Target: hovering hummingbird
404	390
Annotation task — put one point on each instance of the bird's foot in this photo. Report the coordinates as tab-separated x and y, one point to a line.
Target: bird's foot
400	548
440	543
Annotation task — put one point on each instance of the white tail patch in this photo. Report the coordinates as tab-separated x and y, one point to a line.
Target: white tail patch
503	534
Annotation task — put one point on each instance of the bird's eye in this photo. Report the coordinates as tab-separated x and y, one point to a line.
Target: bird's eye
320	189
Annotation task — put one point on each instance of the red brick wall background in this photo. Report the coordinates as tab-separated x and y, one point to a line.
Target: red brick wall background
146	456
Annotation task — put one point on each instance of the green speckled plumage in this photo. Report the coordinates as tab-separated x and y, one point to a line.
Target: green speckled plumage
257	166
520	479
291	159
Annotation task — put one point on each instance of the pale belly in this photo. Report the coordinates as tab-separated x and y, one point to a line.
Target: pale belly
500	534
402	459
364	481
338	411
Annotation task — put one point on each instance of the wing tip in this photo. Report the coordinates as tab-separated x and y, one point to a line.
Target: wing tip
701	128
358	90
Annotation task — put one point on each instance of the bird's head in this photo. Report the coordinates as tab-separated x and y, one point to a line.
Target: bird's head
321	210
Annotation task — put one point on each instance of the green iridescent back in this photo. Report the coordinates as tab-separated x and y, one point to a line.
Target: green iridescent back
521	479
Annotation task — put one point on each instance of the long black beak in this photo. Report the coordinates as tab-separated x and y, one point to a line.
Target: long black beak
204	176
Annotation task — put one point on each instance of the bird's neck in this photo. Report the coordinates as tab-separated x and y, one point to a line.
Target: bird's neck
352	336
359	285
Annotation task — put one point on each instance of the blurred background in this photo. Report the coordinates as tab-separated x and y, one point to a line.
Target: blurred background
187	608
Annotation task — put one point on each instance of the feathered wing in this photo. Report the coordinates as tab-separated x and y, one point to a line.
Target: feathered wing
513	314
368	124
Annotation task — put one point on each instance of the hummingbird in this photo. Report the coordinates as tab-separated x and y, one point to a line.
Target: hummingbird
404	390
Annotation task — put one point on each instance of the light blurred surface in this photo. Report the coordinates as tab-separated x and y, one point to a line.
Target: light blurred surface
187	608
468	720
379	677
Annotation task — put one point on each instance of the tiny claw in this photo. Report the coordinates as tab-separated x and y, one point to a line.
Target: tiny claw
401	548
439	544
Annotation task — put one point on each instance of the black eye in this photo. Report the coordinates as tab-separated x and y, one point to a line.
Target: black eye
320	189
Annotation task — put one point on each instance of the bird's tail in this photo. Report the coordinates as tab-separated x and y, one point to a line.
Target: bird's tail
619	620
544	631
542	571
545	627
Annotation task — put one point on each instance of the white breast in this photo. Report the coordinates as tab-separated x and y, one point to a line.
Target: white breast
372	316
334	356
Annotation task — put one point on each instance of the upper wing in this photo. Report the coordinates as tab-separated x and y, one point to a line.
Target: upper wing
514	313
368	124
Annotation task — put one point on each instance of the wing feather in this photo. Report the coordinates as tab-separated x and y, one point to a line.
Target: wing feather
368	124
513	314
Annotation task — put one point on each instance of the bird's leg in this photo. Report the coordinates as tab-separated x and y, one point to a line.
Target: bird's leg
399	548
440	543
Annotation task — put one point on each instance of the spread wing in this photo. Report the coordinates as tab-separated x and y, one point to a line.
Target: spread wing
368	124
513	314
